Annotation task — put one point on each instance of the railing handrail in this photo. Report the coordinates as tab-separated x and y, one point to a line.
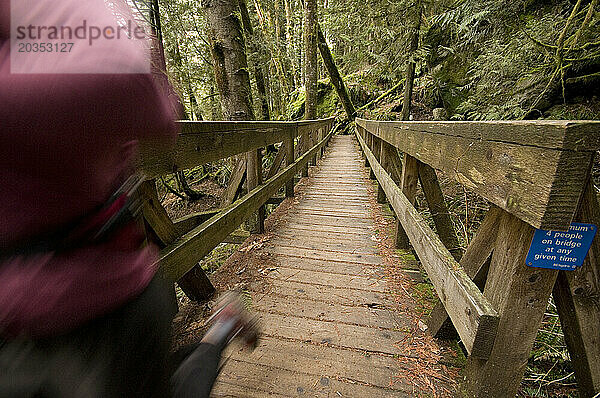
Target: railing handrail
200	142
574	135
536	170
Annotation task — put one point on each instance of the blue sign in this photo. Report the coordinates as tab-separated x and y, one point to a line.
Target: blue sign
561	250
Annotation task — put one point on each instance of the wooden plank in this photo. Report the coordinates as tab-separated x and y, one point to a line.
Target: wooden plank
392	163
156	215
336	334
308	242
277	162
346	297
408	186
577	298
573	135
475	262
256	223
238	176
331	220
339	207
351	242
309	226
191	221
520	294
195	284
378	152
542	186
289	159
350	216
377	370
195	149
201	142
316	264
261	381
439	210
378	318
224	389
326	278
473	316
332	256
179	257
188	222
304	144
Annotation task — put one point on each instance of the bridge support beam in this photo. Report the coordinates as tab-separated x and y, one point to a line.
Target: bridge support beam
438	209
577	299
476	263
304	145
520	295
289	159
254	175
381	157
408	185
162	232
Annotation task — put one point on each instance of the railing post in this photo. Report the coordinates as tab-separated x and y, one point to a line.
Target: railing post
365	135
313	141
408	184
520	296
304	148
371	145
577	301
160	230
377	144
254	179
289	159
320	137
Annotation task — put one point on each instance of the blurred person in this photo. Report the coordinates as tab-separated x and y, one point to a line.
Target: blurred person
82	313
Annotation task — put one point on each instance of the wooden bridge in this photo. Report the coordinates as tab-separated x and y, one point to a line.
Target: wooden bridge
330	327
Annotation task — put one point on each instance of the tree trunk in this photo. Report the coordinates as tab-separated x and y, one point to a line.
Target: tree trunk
258	73
334	74
310	58
289	48
230	64
276	85
410	68
228	51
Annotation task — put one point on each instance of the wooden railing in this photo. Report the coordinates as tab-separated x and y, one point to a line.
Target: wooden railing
535	174
185	242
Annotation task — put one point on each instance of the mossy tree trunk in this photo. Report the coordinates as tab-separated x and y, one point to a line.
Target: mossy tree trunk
230	65
258	73
410	67
228	50
310	58
334	75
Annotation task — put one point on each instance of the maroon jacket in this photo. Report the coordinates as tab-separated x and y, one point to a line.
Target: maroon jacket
66	140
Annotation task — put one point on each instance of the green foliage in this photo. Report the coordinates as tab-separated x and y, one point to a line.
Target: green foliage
509	50
549	371
327	99
295	108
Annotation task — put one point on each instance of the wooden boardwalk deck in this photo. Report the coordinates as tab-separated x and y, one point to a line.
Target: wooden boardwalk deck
329	329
